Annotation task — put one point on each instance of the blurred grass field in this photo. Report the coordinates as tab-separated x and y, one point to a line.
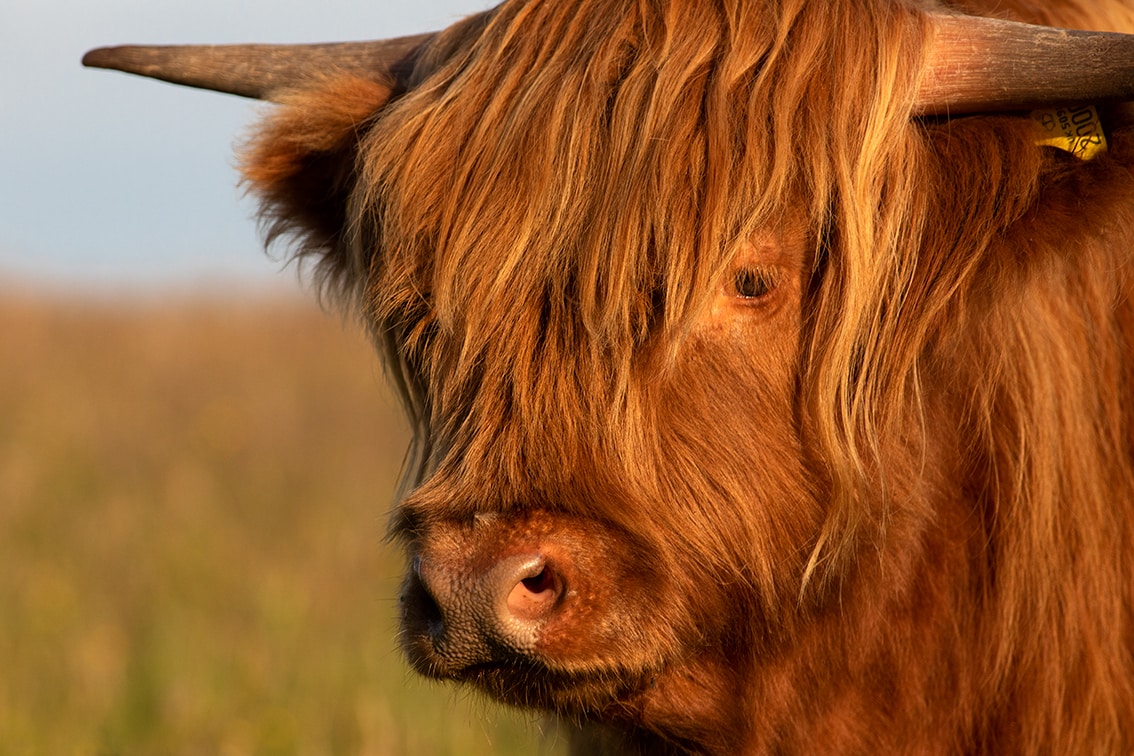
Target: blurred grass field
193	496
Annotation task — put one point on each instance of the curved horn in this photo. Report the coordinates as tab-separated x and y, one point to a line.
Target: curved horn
257	71
973	65
982	65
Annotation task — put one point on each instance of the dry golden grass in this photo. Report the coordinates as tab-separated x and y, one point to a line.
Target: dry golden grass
192	503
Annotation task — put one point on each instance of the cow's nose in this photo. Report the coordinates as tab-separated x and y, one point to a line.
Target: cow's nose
475	616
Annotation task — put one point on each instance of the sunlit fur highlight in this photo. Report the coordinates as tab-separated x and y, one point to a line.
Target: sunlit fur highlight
301	164
694	127
537	229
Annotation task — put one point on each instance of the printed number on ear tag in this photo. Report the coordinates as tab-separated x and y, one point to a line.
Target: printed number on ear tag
1075	130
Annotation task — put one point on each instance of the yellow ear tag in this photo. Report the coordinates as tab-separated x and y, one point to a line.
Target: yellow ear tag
1075	130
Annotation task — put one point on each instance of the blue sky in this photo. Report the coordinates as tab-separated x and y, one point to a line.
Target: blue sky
109	181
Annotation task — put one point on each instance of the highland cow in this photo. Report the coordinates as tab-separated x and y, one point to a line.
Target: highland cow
771	372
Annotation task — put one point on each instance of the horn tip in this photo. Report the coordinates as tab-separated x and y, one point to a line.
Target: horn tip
119	58
100	57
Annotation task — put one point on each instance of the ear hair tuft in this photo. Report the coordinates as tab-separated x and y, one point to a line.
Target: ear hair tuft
300	163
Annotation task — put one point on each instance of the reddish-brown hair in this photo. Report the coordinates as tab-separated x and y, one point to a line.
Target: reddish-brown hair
920	480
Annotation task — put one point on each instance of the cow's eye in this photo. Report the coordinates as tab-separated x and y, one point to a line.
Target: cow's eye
751	283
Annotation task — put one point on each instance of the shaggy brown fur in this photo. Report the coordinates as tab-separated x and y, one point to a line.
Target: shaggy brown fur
824	414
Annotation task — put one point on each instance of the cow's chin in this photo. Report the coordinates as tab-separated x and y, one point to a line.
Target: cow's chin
531	681
529	684
691	700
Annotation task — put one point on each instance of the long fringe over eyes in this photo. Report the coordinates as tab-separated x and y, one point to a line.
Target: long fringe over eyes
597	166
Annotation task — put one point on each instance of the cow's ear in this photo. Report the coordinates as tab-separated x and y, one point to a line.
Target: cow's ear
300	164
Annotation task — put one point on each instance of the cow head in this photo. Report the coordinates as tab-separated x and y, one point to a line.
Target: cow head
633	267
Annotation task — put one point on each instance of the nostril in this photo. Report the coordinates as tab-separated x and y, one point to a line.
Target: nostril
419	606
544	581
534	596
